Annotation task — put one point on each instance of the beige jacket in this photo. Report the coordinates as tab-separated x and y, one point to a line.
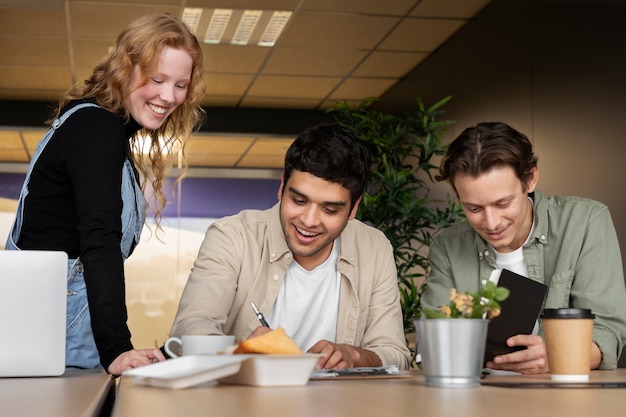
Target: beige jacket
243	259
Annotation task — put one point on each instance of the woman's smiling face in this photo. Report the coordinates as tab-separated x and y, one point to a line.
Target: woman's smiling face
151	103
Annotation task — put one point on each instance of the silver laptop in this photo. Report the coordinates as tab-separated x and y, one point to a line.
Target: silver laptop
33	292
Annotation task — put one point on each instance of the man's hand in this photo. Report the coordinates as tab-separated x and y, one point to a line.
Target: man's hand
259	331
532	360
133	359
341	356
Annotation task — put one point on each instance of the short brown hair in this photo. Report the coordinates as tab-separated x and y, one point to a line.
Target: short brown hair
485	146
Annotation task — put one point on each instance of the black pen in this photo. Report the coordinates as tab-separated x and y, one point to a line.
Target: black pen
260	316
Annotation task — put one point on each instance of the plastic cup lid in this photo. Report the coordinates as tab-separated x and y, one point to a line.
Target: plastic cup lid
567	313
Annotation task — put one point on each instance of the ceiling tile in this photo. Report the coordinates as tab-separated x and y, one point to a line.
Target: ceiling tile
420	35
10	139
313	61
34	51
89	52
266	153
297	87
219	144
33	22
12	155
362	88
449	8
213	160
98	20
82	73
147	2
227	85
274	102
216	151
270	146
234	59
389	64
33	137
220	101
35	77
330	30
247	4
268	162
11	147
395	7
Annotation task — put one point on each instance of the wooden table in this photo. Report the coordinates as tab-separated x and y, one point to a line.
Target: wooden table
75	393
375	398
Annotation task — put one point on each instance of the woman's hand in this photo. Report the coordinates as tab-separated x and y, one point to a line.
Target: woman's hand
133	359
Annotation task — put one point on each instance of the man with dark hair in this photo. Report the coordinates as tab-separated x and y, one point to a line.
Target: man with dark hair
324	277
567	243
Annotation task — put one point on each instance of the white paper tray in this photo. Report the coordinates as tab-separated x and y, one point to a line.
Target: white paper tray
274	370
186	371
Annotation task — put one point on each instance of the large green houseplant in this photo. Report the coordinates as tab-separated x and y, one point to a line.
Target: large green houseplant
398	199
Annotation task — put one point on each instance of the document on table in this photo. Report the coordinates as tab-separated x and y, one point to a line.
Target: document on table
389	371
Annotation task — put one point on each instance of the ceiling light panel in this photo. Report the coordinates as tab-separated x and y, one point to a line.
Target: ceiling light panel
274	28
191	17
217	26
246	27
237	26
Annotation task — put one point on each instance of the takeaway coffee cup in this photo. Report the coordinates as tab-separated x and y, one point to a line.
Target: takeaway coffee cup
197	344
567	334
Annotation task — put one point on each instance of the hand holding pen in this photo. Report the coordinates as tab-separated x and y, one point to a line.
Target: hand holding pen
260	316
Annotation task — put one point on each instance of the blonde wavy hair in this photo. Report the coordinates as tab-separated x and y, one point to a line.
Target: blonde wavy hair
140	44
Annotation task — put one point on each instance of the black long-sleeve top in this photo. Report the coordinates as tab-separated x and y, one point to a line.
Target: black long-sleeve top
74	205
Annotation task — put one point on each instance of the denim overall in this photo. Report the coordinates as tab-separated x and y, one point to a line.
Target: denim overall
80	349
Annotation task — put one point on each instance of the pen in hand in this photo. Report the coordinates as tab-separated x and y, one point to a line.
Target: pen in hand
260	316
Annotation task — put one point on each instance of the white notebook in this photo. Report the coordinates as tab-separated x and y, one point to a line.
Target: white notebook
33	292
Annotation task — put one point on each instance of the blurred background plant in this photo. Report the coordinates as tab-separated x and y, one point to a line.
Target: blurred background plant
398	201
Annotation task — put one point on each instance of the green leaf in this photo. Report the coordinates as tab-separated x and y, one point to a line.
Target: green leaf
433	314
502	293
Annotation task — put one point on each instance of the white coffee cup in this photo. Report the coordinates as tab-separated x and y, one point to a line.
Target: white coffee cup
197	344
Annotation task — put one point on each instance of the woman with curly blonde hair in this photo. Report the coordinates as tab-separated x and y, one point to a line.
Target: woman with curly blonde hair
84	190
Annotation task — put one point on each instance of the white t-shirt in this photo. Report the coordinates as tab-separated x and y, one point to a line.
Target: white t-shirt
514	261
308	301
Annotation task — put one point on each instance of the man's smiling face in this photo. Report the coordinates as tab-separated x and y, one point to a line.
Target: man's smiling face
496	205
313	213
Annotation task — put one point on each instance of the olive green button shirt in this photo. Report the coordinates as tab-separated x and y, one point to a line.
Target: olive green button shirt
573	250
243	259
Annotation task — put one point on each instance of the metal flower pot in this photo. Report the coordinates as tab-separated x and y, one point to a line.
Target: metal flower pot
451	350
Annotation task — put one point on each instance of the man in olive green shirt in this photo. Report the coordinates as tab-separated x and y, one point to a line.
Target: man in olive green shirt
567	243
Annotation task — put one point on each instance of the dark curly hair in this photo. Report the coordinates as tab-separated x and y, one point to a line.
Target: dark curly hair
331	152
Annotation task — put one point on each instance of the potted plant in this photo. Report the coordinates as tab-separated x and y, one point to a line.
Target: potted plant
452	339
398	200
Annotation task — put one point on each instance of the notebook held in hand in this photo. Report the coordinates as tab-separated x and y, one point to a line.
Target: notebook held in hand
519	312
